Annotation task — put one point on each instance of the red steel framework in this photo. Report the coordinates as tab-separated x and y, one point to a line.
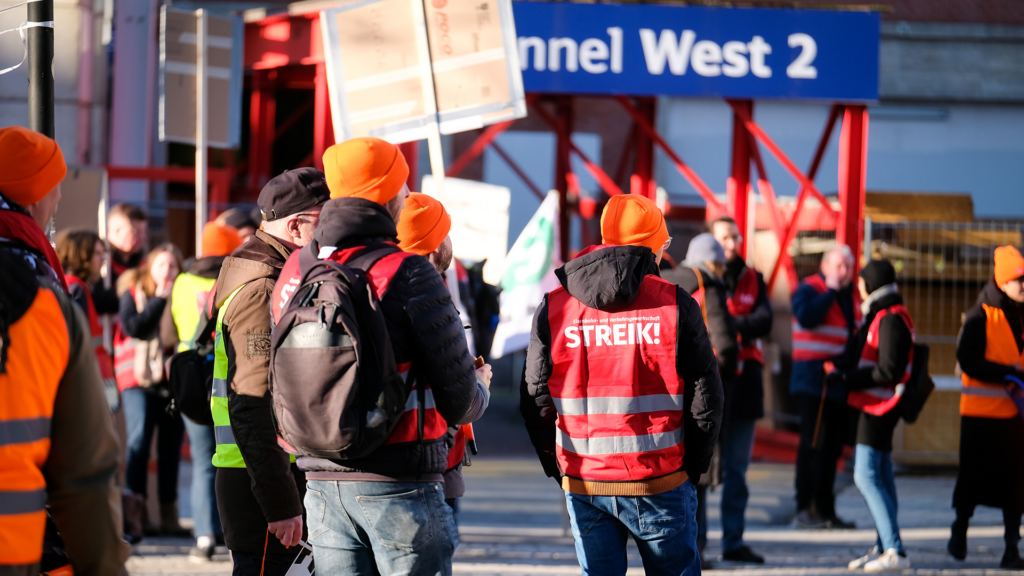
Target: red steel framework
286	49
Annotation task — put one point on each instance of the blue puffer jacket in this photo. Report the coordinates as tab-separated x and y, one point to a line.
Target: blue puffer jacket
810	309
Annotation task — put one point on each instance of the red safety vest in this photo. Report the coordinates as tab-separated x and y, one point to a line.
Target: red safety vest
457	453
741	303
379	275
882	399
124	356
102	354
615	387
827	340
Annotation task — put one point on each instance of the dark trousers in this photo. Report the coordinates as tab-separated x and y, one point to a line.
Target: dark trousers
816	466
1011	524
144	412
254	564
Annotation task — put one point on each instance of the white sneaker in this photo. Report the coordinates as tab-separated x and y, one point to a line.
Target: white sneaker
889	562
860	562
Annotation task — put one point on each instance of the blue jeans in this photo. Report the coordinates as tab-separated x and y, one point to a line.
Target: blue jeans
204	479
144	412
664	527
394	528
737	447
873	475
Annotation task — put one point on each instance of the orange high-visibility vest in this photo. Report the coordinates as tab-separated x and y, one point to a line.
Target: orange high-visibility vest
37	356
985	399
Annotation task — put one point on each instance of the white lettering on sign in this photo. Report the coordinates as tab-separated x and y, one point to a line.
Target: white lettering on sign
663	49
617	334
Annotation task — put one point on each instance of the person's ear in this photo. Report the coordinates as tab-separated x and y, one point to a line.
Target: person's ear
292	225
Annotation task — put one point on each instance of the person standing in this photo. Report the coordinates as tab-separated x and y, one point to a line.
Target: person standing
886	354
183	314
701	275
752	312
622	398
423	230
990	349
60	449
385	513
259	489
139	357
127	233
826	314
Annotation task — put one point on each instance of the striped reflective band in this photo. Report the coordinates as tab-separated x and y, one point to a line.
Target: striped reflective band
97	341
220	388
24	431
819	346
984	391
825	330
619	444
428	400
884	393
223	434
22	501
613	405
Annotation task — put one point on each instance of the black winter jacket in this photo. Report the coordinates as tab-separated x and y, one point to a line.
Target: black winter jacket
611	277
424	328
721	325
748	403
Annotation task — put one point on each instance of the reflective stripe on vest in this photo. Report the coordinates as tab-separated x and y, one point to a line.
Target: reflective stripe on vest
37	357
187	299
614	384
124	356
880	400
984	399
103	359
827	340
227	454
741	303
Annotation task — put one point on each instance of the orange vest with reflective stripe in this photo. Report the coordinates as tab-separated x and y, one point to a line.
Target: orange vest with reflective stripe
37	355
96	330
984	399
882	399
827	340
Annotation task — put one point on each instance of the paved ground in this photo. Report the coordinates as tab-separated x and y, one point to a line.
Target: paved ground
512	522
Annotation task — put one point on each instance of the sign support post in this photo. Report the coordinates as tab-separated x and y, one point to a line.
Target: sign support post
201	125
40	66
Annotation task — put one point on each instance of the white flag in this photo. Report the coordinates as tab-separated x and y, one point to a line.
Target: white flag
529	274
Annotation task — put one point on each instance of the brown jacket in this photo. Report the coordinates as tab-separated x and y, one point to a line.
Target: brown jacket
254	267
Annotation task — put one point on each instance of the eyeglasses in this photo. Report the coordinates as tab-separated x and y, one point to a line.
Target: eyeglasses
667	243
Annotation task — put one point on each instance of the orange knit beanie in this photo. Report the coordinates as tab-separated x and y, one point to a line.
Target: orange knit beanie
1009	264
219	240
424	224
31	165
633	220
368	168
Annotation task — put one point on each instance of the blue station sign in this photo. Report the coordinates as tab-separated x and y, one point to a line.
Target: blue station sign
649	49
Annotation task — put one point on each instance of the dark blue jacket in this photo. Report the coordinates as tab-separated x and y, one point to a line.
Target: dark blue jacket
810	309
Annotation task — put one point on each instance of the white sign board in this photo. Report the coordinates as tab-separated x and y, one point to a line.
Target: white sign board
397	67
479	214
178	41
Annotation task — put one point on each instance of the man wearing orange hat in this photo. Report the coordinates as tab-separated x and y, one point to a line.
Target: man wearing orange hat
182	315
990	351
358	500
59	448
423	230
622	396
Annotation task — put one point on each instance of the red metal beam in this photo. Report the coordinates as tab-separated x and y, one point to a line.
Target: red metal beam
595	171
262	120
642	181
411	151
853	163
563	128
681	166
323	129
737	186
477	148
519	171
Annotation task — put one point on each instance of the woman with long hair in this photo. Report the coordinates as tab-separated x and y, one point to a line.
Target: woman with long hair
139	365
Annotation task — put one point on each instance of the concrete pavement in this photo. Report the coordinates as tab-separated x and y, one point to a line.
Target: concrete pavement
512	522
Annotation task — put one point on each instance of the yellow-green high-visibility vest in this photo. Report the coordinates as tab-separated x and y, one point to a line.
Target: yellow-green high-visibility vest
187	299
227	454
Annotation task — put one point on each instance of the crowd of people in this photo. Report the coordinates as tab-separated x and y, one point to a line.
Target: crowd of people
342	376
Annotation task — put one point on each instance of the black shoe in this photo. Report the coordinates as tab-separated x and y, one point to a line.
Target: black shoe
706	564
1012	560
743	554
957	546
837	523
809	520
200	554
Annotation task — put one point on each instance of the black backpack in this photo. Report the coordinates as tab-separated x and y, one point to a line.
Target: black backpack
918	388
337	390
191	373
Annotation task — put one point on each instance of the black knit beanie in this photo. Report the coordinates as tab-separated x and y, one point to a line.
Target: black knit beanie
877	273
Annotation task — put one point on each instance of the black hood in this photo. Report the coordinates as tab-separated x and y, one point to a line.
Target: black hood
348	222
208	267
996	298
607	277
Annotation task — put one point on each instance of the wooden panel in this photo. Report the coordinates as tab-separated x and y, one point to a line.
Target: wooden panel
918	207
935	438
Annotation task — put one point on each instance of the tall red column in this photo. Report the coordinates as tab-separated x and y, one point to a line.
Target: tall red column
323	128
738	184
642	181
411	151
853	164
563	166
262	124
